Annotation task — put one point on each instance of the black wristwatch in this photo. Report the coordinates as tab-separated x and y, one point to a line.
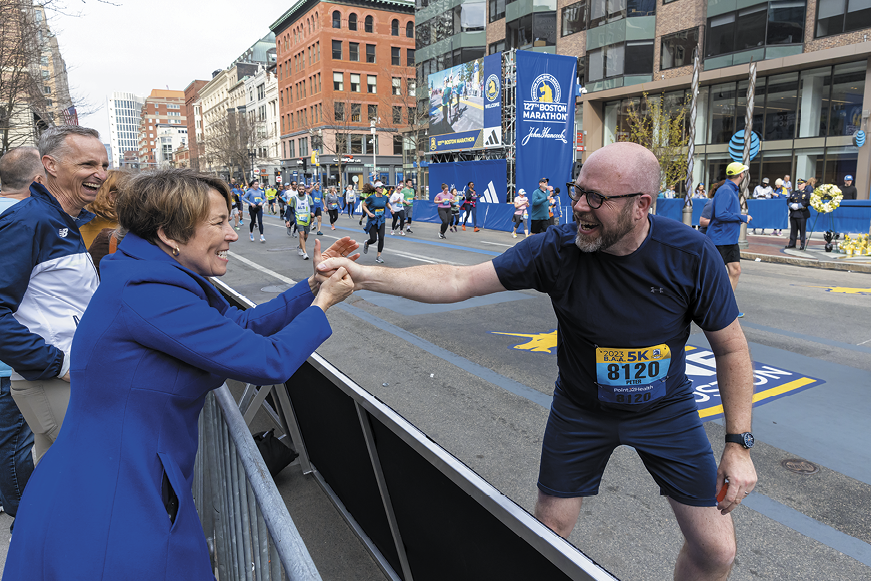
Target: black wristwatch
746	439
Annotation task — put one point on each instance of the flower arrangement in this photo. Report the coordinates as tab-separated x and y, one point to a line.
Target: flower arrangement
826	198
855	245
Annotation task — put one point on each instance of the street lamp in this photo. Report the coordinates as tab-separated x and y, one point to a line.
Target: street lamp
251	156
374	164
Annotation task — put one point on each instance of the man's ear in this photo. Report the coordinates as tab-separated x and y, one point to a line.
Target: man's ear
51	165
644	203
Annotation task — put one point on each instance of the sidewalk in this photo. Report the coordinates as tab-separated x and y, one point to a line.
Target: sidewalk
766	248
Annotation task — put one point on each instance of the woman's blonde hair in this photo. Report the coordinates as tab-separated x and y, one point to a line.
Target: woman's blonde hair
104	204
176	200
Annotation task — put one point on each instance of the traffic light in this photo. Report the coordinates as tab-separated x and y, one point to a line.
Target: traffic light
304	164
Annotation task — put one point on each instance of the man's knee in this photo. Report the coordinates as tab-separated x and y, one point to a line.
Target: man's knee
734	269
558	514
716	554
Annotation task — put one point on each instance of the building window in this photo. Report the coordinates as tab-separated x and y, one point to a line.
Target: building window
574	18
370	53
518	33
372	83
355	82
409	57
337	50
394	27
423	38
397	145
409	30
397	115
352	21
756	26
372	113
639	58
837	16
355	112
497	10
495	47
354	51
395	58
338	81
677	49
356	143
303	146
369	24
396	84
412	85
339	111
411	112
337	19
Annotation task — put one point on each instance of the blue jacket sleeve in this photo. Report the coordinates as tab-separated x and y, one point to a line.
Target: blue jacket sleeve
27	353
173	319
271	317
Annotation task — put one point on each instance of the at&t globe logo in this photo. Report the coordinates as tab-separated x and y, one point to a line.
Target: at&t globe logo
493	87
546	89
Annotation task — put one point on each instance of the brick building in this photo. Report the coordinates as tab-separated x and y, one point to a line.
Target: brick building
346	85
194	119
811	88
161	107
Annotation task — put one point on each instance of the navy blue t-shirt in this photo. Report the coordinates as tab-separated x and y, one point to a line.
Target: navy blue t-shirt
624	320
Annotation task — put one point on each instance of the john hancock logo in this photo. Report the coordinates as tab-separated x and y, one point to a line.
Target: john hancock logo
545	106
432	144
492	88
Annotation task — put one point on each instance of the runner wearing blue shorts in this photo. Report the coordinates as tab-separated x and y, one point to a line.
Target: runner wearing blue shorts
625	287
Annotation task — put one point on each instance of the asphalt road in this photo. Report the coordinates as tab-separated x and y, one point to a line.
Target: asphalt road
810	337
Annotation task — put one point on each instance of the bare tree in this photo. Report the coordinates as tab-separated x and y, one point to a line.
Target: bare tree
228	142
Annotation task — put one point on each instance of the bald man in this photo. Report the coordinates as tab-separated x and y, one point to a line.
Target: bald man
19	168
625	286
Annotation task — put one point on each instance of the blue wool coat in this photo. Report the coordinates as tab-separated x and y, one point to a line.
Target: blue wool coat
155	339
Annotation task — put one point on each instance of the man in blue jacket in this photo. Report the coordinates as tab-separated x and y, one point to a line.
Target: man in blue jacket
49	280
539	212
726	220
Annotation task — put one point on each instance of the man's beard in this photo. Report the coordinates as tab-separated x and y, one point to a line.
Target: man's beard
606	238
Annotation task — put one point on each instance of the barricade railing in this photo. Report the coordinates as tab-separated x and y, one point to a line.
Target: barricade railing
418	510
250	534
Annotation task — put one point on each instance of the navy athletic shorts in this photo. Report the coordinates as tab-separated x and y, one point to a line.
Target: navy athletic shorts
670	439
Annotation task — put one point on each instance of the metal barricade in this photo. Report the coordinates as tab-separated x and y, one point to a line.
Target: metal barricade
250	534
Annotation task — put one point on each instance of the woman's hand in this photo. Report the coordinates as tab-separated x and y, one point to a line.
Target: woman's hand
341	248
334	290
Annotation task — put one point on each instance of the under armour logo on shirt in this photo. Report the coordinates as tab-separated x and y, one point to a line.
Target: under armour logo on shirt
654	289
63	232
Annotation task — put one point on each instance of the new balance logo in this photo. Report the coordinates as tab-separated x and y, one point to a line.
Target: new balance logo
63	232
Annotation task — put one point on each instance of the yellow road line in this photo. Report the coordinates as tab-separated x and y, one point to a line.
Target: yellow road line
475	105
774	391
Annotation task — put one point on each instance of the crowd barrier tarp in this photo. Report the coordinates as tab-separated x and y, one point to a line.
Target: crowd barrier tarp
852	215
488	175
490	216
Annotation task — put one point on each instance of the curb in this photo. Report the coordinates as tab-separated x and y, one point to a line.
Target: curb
808	262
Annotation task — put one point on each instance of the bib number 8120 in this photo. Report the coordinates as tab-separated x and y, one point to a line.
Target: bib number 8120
642	371
633	398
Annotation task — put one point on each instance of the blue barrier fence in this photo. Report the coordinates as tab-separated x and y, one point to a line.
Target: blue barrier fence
852	216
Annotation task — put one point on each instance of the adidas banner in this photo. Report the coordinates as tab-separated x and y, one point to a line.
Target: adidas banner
545	120
488	175
493	100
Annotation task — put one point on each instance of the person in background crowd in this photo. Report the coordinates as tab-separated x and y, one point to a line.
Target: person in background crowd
255	199
540	207
521	204
318	204
350	200
456	200
726	219
762	192
271	194
49	277
797	202
408	197
331	200
471	205
237	205
705	218
152	344
669	192
397	208
300	210
375	207
443	202
700	191
19	168
787	183
848	189
364	194
106	222
281	199
779	191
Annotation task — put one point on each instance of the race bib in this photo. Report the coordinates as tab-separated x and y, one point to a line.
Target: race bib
632	376
379	211
303	219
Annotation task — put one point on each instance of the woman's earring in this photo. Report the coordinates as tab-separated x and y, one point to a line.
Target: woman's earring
175	251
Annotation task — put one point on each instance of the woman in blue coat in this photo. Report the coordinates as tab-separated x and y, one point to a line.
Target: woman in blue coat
156	338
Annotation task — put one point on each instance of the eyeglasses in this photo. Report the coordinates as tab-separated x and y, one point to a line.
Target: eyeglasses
594	199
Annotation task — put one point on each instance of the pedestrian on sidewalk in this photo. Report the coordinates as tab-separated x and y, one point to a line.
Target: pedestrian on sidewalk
779	192
762	192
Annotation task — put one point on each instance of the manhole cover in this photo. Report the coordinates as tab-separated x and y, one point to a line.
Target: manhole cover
282	249
800	466
277	288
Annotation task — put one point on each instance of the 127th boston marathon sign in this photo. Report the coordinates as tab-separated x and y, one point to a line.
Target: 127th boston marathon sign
545	118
